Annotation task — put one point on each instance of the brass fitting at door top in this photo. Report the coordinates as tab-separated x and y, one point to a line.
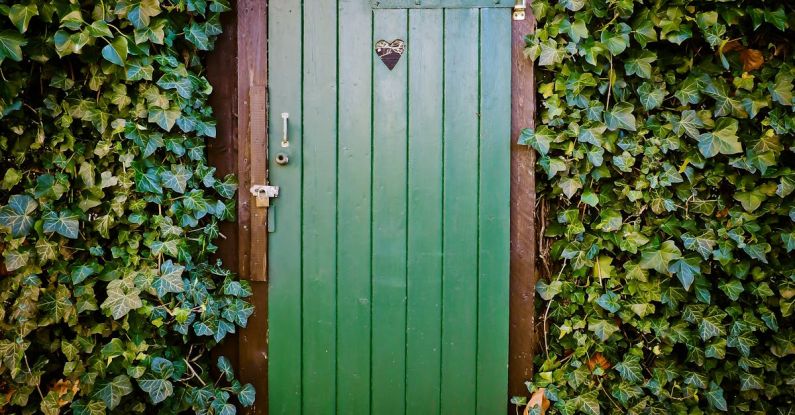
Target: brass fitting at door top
519	10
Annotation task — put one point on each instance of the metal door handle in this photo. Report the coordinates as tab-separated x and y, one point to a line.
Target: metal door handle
285	141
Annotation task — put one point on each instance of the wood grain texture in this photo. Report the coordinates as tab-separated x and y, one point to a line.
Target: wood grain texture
319	193
353	204
389	222
222	151
285	287
494	209
251	73
523	229
460	217
424	275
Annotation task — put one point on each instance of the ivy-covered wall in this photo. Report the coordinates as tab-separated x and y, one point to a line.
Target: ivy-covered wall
665	141
109	302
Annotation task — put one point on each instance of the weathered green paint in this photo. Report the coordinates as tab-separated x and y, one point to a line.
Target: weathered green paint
388	264
440	4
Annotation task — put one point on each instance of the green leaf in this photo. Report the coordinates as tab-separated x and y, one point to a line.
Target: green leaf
715	397
610	301
196	34
247	395
630	369
116	51
122	298
548	291
225	367
64	223
659	259
11	44
621	117
603	329
540	138
157	388
732	288
602	268
750	381
704	244
177	178
111	391
651	96
170	280
686	270
711	325
640	64
689	123
20	15
16	216
722	140
165	118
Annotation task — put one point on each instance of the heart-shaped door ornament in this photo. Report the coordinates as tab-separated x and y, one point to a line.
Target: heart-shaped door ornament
390	53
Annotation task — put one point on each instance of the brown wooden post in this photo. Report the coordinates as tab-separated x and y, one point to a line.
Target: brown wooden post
252	78
523	230
223	150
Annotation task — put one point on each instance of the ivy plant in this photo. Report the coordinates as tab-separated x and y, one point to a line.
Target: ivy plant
109	299
665	145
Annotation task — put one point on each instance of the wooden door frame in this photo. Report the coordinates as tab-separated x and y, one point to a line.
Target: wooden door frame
237	69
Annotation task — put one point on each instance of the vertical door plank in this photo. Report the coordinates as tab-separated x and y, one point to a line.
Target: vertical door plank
389	220
494	217
284	306
423	332
353	221
319	207
459	317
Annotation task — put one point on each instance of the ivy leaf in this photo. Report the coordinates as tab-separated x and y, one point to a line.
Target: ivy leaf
15	260
225	367
20	15
550	53
750	381
196	34
630	369
689	123
689	92
659	259
640	64
122	298
116	51
609	301
164	118
620	117
686	270
548	291
711	325
170	280
141	13
157	388
11	43
603	329
540	138
177	178
111	391
704	244
715	397
651	96
64	223
16	216
722	140
247	395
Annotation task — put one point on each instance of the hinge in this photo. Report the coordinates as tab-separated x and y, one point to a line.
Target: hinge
519	10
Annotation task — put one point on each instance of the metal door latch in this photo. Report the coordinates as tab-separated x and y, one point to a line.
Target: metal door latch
519	10
263	194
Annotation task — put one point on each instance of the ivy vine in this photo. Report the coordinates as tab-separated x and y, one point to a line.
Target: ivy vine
109	301
665	141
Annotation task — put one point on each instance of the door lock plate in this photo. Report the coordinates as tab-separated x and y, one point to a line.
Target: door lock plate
263	194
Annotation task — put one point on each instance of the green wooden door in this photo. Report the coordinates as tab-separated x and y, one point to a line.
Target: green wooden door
389	252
